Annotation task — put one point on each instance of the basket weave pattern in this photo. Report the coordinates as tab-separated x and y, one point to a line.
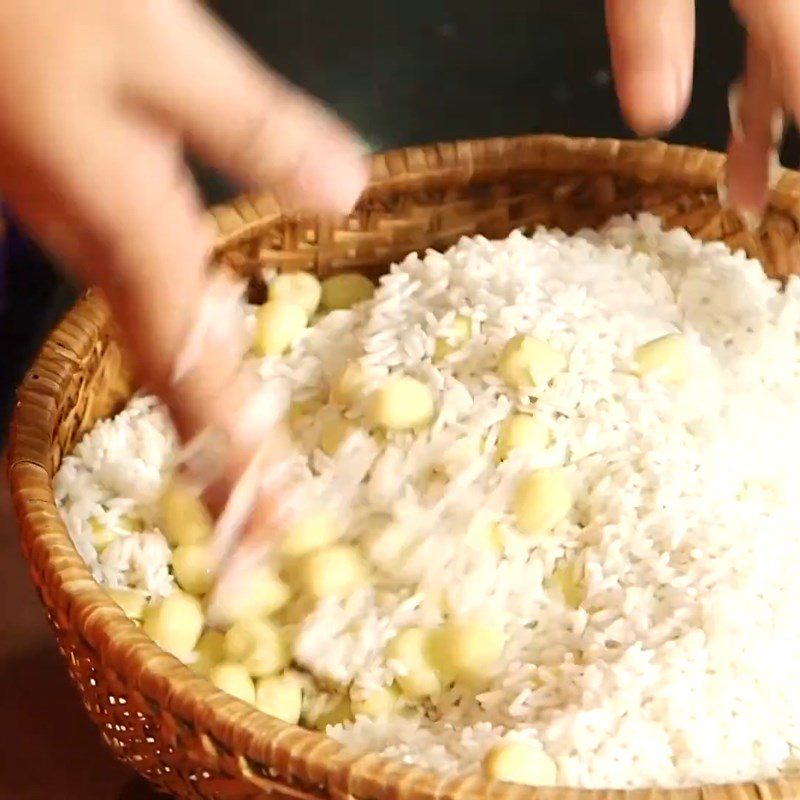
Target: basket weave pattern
173	726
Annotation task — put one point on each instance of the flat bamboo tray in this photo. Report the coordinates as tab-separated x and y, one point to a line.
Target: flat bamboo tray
174	727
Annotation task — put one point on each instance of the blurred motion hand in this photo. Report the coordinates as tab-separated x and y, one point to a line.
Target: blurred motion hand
97	100
652	49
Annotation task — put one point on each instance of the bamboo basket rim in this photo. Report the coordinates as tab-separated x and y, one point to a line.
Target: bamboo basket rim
233	729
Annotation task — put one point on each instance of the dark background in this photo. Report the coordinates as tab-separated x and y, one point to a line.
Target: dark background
403	73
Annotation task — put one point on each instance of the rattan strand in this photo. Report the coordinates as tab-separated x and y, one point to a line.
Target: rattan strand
155	714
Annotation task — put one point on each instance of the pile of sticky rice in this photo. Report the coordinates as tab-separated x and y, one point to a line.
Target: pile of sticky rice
571	550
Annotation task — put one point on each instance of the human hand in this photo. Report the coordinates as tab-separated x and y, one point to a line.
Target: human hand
652	46
97	100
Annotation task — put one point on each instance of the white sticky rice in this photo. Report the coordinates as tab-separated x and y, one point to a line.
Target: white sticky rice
681	664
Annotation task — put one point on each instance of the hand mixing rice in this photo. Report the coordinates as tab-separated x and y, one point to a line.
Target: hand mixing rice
550	528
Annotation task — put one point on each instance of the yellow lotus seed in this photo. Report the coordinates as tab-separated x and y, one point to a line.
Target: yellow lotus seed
378	703
280	696
278	324
298	288
337	570
664	358
312	532
130	524
344	291
233	679
410	649
529	362
519	762
192	565
335	431
209	652
184	519
258	593
402	403
567	581
243	637
131	601
258	645
461	333
302	408
522	430
349	385
295	613
485	533
175	624
467	651
542	500
102	535
340	712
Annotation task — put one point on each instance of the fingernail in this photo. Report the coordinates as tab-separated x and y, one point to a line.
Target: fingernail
722	190
233	519
262	410
654	102
219	320
774	169
328	181
684	73
777	127
751	219
202	460
364	147
734	110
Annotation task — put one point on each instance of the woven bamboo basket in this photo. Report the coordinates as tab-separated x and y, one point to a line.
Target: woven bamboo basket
167	723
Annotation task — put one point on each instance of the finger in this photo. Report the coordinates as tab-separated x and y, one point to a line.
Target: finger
756	130
652	53
142	240
242	118
246	554
134	228
776	25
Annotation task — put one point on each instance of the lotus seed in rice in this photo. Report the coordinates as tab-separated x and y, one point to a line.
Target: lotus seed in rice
551	530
